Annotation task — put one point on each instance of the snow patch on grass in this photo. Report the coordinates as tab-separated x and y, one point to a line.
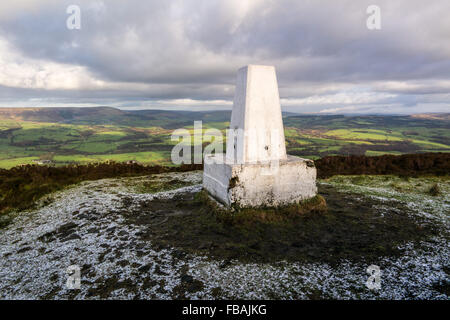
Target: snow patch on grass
84	225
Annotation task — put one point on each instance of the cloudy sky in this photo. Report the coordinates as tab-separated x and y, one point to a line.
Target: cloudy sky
184	54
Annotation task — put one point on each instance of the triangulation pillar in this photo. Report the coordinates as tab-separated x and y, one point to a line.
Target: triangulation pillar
256	171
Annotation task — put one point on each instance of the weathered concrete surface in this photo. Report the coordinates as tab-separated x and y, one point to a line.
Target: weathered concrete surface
260	184
256	117
256	171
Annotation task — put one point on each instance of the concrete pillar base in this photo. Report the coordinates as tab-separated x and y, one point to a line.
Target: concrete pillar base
266	184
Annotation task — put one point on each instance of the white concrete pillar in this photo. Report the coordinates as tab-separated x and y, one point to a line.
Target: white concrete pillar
255	171
256	126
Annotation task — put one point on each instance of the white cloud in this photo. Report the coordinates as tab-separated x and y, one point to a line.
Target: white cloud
339	110
191	102
9	10
340	98
19	71
185	53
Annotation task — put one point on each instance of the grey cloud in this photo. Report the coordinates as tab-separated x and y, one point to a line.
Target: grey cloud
191	49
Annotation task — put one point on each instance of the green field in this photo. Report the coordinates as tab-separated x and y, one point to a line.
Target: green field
102	134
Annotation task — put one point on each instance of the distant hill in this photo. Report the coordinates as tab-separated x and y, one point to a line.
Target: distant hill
170	119
58	114
113	116
432	116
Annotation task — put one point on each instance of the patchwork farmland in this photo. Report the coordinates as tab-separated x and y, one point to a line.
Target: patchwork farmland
83	135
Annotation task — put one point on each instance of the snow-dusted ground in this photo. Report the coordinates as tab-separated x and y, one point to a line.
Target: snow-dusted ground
85	226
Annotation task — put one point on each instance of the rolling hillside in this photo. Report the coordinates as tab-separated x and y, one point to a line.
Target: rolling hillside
81	135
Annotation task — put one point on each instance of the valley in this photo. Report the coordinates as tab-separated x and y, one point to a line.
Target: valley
85	135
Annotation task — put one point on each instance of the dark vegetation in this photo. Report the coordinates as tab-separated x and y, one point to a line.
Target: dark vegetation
403	165
435	190
21	187
248	217
342	228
